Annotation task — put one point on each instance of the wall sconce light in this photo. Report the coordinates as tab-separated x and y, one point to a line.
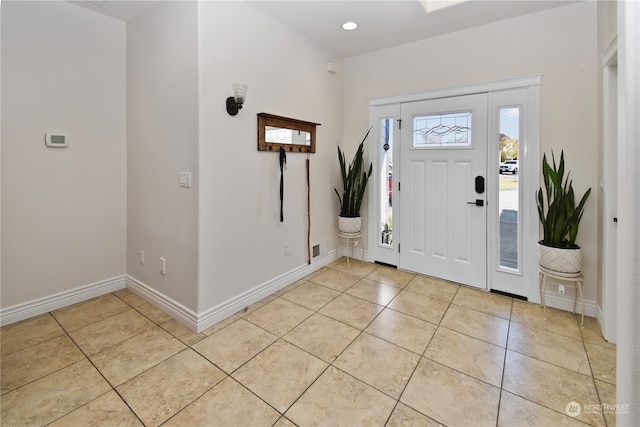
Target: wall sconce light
234	103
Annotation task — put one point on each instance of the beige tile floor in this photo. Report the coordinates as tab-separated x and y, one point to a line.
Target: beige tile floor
366	345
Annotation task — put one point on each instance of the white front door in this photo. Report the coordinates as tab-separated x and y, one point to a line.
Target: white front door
443	188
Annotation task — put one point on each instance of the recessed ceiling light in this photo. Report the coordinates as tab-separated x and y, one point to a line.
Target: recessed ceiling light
349	26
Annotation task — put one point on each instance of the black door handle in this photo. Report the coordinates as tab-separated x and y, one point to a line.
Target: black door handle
478	202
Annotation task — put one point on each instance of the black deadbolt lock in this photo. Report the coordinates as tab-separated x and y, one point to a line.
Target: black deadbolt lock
479	184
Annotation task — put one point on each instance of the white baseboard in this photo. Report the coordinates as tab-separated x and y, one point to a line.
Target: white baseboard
60	300
182	314
200	321
195	321
601	319
210	317
355	253
565	302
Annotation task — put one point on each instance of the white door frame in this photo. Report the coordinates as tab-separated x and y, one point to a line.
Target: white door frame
377	251
516	281
530	229
606	314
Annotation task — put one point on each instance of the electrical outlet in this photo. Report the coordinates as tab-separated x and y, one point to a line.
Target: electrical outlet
561	289
163	266
142	257
287	247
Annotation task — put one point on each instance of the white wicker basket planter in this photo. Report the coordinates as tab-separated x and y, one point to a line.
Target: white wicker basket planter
349	224
568	261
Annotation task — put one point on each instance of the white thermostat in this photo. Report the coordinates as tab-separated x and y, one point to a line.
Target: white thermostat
55	140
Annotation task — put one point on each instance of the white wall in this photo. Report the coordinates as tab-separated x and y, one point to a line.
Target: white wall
223	237
607	23
63	209
162	112
559	43
241	241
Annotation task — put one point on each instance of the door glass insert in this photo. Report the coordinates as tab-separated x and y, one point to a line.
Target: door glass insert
386	181
509	172
442	130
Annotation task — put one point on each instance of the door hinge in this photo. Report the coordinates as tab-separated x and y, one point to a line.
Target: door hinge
398	185
399	123
398	247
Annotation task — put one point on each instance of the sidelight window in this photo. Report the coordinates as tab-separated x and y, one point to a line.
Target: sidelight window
386	181
509	187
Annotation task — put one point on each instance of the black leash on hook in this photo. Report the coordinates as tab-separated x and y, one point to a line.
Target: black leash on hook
283	162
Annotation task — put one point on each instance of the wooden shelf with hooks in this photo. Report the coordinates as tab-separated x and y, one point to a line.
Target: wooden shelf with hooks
272	122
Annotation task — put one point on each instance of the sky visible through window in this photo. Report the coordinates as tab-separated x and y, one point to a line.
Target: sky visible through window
510	122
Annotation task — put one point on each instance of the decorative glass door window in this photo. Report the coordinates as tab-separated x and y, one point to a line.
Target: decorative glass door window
385	175
442	130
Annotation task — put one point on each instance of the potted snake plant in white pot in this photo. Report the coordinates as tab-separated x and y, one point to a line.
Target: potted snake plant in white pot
560	217
354	183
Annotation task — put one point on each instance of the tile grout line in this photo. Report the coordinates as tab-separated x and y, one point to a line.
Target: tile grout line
282	414
187	347
331	364
504	362
361	331
88	359
113	388
593	377
422	356
552	364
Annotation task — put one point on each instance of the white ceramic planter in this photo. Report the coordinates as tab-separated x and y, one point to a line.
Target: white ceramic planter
568	261
349	224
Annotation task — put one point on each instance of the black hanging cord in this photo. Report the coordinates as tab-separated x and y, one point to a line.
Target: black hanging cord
283	162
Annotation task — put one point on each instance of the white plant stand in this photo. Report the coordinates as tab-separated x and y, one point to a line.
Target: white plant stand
351	237
574	280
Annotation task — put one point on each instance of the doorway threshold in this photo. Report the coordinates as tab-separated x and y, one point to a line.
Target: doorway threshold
386	264
507	294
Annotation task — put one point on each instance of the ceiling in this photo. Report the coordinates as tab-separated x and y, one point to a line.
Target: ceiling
382	23
119	9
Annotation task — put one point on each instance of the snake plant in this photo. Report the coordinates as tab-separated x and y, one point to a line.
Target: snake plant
354	181
562	217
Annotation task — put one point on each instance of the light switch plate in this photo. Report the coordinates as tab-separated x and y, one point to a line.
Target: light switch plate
185	179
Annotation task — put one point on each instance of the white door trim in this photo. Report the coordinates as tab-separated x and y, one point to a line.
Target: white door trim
532	83
375	250
523	280
606	314
460	90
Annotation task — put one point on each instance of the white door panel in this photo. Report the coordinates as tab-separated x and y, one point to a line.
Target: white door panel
444	231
